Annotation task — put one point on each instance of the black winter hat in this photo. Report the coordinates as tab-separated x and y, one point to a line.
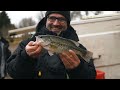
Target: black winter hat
66	14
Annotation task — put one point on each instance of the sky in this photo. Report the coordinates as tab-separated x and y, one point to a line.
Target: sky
17	16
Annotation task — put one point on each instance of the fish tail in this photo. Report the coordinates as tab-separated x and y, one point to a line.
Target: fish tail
86	55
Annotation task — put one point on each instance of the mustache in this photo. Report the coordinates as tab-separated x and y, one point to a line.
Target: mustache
56	26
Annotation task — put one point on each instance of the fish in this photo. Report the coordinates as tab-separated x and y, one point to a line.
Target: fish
56	45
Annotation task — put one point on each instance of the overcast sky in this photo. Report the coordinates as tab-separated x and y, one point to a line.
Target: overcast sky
17	16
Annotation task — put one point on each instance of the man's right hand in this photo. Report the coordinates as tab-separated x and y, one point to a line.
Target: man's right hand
33	49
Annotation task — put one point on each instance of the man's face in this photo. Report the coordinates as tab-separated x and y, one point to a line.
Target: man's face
56	23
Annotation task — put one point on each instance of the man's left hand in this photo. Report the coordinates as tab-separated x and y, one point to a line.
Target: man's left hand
70	59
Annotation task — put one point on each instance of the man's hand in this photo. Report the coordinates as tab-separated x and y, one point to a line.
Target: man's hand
33	49
70	59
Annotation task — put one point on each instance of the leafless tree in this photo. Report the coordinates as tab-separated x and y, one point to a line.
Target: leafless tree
25	22
94	12
40	15
75	14
117	11
86	13
98	12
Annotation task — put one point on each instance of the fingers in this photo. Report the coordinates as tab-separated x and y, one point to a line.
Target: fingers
65	61
36	51
74	55
70	59
31	43
33	49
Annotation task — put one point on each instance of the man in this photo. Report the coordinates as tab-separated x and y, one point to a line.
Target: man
4	55
30	60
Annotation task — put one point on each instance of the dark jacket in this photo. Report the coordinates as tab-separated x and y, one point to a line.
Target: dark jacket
4	55
21	66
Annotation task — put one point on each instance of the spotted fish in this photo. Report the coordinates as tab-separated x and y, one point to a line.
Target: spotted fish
56	44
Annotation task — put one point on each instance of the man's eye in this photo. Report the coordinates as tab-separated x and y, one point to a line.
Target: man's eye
53	18
61	19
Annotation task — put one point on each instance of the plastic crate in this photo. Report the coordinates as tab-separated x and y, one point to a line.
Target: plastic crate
100	74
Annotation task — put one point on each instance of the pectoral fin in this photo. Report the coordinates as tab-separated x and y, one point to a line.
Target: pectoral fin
51	53
52	49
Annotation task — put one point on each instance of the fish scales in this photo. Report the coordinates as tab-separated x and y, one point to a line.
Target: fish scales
58	44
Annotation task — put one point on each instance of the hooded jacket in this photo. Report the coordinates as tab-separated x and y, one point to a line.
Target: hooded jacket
4	55
21	66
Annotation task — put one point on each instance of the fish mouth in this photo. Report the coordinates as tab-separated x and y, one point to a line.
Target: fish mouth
39	39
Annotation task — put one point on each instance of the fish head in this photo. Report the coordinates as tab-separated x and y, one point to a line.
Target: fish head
43	40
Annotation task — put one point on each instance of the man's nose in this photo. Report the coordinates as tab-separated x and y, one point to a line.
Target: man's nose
56	22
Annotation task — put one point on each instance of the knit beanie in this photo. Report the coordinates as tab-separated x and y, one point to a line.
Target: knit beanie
66	14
